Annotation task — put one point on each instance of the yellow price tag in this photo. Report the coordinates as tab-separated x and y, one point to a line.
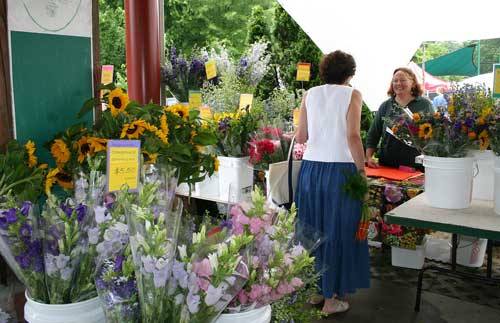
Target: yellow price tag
123	164
246	100
194	99
496	81
296	116
106	76
205	113
210	69
303	71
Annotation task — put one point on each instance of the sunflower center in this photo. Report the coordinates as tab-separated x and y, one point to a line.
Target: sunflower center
117	103
132	129
63	177
85	148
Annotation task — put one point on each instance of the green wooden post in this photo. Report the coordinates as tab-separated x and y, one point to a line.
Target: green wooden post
479	56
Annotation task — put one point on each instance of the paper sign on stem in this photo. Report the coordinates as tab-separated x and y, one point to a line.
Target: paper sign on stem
246	100
303	71
194	99
210	69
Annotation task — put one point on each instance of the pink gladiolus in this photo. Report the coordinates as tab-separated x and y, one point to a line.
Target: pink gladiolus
255	292
203	268
242	297
256	225
296	282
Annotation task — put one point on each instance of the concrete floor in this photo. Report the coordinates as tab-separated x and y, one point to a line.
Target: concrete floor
386	302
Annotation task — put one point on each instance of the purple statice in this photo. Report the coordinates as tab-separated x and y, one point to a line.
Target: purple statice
182	63
469	122
224	124
458	125
25	208
227	224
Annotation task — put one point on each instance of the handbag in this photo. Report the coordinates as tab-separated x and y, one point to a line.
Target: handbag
282	180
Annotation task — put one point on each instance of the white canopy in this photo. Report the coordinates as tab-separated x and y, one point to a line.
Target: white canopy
383	35
485	79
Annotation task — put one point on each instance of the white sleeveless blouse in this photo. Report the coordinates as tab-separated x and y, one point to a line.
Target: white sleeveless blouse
327	107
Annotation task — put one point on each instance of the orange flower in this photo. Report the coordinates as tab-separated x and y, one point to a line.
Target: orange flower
436	114
472	135
481	121
416	116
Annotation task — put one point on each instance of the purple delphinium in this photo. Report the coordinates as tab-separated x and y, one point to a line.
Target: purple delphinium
81	211
67	209
118	263
24	261
25	208
25	231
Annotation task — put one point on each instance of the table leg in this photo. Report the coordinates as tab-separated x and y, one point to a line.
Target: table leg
489	252
454	246
419	289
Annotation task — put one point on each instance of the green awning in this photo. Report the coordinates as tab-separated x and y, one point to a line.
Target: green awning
459	62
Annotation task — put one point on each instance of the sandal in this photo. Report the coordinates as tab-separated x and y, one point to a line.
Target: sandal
316	300
337	307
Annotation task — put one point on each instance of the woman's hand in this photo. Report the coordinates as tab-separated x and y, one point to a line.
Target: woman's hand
371	163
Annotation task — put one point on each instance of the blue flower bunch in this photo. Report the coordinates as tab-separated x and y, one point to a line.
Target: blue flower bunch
21	246
180	75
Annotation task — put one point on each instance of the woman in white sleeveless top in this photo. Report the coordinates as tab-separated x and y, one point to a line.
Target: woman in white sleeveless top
330	117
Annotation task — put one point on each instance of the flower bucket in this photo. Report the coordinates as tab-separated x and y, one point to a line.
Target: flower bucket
496	189
89	311
209	186
448	182
482	188
408	258
471	251
235	177
259	315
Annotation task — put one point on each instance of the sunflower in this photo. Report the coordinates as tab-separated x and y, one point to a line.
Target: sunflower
164	124
149	158
83	147
484	140
179	110
425	131
43	166
117	101
60	151
50	180
30	149
134	129
64	179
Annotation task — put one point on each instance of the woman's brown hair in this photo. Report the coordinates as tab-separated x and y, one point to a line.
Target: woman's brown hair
416	89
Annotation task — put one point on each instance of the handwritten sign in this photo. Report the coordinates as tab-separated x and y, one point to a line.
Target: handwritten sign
194	99
246	100
205	113
303	71
106	76
210	69
123	164
496	81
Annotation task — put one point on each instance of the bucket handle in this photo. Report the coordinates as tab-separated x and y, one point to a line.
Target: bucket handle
476	169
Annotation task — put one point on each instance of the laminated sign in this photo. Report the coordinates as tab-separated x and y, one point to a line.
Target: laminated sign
123	164
194	99
246	100
106	76
303	71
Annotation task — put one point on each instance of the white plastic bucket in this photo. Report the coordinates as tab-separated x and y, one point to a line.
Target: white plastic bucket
209	186
484	181
408	258
471	251
496	186
89	311
235	177
259	315
448	182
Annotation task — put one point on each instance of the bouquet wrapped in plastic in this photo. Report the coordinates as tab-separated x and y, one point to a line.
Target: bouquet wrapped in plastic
65	244
21	246
115	274
269	145
279	262
206	276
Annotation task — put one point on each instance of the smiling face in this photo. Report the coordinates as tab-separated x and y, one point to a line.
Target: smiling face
402	83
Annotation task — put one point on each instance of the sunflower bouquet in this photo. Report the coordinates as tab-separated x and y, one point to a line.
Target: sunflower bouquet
173	135
437	134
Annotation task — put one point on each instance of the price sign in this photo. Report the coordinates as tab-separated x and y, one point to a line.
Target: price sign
246	100
296	116
123	164
106	76
210	69
303	71
194	99
496	81
205	113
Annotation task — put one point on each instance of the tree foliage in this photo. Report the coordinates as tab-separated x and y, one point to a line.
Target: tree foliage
112	34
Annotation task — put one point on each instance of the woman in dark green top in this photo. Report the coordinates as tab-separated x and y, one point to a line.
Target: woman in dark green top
404	91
